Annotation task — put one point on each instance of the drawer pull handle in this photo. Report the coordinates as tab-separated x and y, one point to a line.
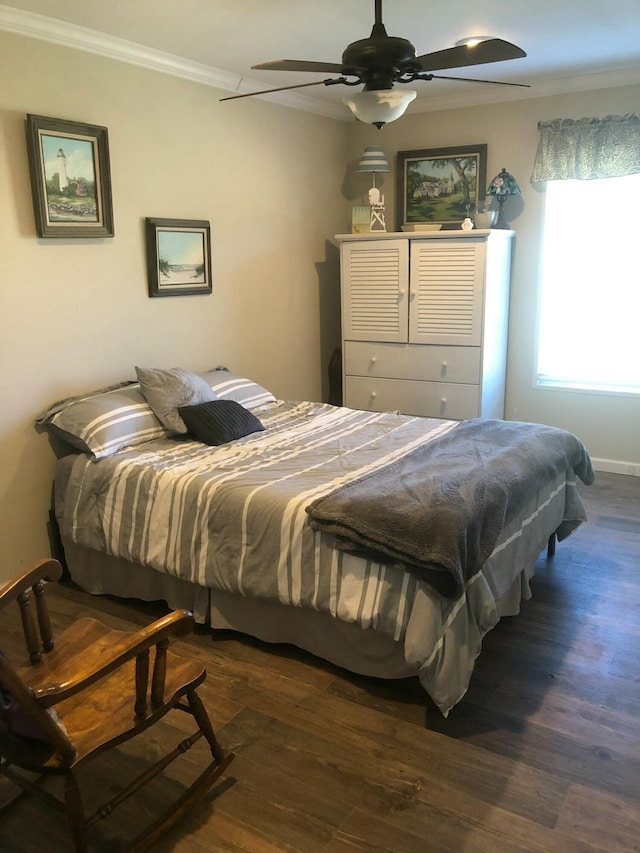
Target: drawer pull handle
373	359
445	365
373	395
444	401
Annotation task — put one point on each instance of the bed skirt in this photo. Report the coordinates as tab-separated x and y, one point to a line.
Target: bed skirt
442	638
344	644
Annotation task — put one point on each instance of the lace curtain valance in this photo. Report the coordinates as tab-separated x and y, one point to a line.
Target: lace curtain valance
588	148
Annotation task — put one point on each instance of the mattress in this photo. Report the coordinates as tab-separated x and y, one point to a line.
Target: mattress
176	521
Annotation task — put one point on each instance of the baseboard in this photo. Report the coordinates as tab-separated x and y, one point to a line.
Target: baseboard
615	466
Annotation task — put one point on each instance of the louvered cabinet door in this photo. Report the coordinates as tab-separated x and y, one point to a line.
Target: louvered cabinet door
424	322
446	290
375	290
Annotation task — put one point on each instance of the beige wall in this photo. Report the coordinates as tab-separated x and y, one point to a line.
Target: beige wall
276	185
608	424
75	314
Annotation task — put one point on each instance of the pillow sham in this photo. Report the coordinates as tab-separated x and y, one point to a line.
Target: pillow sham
104	421
219	421
229	386
167	390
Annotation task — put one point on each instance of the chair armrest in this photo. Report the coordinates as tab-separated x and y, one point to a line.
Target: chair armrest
176	624
49	570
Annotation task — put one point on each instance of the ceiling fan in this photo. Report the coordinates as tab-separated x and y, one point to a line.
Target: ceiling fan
381	60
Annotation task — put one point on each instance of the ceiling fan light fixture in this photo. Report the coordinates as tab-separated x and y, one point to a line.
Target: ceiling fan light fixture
379	106
472	41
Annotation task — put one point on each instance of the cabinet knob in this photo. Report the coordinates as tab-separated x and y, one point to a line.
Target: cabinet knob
401	291
373	395
373	359
444	401
444	364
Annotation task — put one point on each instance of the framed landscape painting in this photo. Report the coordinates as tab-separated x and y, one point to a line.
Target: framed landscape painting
440	185
178	257
70	177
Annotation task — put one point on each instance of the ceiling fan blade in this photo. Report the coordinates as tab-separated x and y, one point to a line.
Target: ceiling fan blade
299	65
491	50
283	88
473	80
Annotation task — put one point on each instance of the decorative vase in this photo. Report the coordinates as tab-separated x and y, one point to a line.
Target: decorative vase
484	217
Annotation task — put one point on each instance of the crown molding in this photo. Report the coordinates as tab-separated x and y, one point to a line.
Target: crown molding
82	38
543	87
70	35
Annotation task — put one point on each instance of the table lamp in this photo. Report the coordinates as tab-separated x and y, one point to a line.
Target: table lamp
373	160
502	186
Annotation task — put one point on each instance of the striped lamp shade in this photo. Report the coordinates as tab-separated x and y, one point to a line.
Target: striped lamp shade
373	160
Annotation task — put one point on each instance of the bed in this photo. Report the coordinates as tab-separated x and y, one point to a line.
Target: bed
386	544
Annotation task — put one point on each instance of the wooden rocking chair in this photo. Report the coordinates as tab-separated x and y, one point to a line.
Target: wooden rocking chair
69	702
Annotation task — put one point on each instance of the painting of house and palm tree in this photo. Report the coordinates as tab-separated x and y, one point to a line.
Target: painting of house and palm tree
442	185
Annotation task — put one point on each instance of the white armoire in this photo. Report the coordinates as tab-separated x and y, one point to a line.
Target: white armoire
425	321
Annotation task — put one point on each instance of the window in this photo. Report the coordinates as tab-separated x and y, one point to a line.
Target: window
589	323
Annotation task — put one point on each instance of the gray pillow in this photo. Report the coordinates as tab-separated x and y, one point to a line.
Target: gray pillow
167	390
229	386
104	421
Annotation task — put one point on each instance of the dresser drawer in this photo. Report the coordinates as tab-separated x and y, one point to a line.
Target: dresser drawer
412	397
413	361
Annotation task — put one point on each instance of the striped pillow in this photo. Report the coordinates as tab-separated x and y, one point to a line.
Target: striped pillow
228	386
102	422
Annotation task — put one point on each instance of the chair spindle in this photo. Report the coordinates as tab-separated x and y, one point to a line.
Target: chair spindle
31	637
142	681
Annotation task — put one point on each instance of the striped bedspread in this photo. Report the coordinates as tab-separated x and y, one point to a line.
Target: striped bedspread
234	518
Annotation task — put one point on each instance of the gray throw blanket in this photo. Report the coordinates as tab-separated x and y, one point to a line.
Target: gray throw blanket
439	511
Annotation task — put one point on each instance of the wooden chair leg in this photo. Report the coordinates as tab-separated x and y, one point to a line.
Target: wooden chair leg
551	545
75	812
202	719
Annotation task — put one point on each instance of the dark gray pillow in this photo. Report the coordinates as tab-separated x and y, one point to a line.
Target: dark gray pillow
219	421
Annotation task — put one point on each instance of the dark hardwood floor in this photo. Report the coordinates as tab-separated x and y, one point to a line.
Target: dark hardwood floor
542	754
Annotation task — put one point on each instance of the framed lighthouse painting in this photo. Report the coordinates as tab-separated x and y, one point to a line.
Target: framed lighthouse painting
70	178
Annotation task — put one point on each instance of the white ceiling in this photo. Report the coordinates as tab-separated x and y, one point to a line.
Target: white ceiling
571	45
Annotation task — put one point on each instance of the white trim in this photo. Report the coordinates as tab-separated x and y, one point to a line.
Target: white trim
82	38
70	35
616	466
566	385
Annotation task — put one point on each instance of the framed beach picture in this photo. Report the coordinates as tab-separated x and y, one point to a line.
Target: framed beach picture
440	184
70	177
178	257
